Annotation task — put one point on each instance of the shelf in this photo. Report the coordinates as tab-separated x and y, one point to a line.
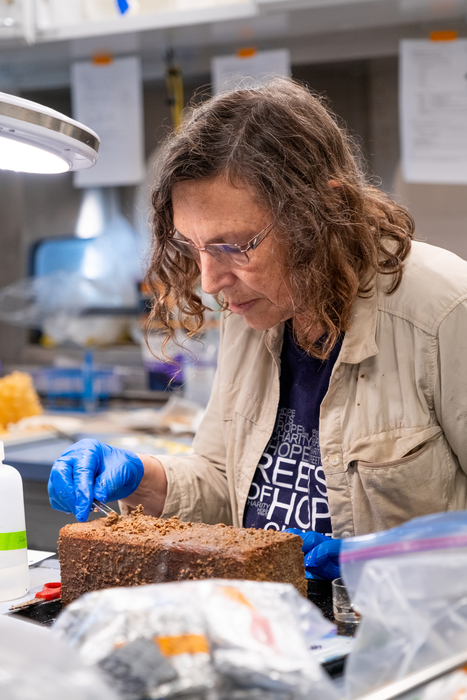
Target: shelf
314	31
162	19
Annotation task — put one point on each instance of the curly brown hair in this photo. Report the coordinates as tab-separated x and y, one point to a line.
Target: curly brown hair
285	145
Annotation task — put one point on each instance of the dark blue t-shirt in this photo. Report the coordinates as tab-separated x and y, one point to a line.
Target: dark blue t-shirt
289	486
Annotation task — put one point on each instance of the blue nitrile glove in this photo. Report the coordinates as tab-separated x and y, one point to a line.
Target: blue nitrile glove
321	554
89	469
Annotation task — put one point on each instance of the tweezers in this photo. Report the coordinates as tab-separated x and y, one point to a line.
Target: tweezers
103	507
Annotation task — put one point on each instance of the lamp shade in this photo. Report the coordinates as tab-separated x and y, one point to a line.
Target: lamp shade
36	139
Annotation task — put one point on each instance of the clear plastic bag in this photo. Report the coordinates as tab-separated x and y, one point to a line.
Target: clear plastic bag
31	301
34	664
429	533
453	686
414	613
105	277
219	638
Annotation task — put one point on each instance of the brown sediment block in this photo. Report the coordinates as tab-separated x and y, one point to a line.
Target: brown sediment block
140	549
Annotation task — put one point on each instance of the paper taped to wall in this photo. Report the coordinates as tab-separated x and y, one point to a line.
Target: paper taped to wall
433	111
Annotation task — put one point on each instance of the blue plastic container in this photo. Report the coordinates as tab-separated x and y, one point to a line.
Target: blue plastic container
75	388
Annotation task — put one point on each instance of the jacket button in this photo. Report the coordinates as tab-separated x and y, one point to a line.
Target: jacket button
334	460
345	534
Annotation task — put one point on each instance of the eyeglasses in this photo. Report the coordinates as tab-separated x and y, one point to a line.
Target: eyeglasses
227	253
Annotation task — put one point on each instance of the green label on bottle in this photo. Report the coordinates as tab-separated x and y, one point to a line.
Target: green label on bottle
13	540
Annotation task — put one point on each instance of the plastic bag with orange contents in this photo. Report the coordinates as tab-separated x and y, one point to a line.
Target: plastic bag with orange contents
216	639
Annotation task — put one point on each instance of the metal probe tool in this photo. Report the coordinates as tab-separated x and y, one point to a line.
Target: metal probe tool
103	507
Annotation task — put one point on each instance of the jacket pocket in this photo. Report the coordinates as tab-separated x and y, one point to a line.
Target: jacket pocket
387	494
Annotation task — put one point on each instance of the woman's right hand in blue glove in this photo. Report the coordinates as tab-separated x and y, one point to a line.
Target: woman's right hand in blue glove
90	469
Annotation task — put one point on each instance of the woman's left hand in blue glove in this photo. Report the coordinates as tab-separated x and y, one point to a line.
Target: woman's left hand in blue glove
321	554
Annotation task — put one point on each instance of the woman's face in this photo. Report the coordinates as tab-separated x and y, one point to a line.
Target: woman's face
214	211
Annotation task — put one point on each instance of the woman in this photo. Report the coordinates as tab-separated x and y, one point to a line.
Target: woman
339	401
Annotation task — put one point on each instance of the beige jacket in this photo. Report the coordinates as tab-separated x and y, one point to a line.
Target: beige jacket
393	424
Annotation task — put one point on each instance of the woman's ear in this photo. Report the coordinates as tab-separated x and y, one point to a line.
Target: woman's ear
334	183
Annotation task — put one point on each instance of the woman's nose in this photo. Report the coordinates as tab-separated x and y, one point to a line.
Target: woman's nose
215	275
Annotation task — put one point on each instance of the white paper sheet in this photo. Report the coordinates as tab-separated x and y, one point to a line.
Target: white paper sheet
433	111
35	556
108	99
229	72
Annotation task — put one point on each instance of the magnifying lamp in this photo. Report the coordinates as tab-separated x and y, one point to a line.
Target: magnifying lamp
36	139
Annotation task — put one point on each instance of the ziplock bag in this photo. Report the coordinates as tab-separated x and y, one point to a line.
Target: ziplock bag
215	639
35	665
453	686
441	532
414	613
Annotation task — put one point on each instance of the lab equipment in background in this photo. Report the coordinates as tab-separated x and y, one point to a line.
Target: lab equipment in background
178	416
163	376
188	362
110	261
89	392
163	366
199	365
99	205
342	605
31	302
89	329
84	388
14	568
81	289
174	82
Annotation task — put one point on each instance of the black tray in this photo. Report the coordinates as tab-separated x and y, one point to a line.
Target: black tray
45	613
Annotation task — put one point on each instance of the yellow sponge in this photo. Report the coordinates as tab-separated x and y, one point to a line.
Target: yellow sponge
18	398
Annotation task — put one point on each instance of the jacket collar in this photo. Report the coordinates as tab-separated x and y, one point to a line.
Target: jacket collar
359	341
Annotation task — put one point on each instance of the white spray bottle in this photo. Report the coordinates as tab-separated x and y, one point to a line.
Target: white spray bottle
14	570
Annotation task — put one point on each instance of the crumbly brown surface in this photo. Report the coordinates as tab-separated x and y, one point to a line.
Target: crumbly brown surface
139	549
